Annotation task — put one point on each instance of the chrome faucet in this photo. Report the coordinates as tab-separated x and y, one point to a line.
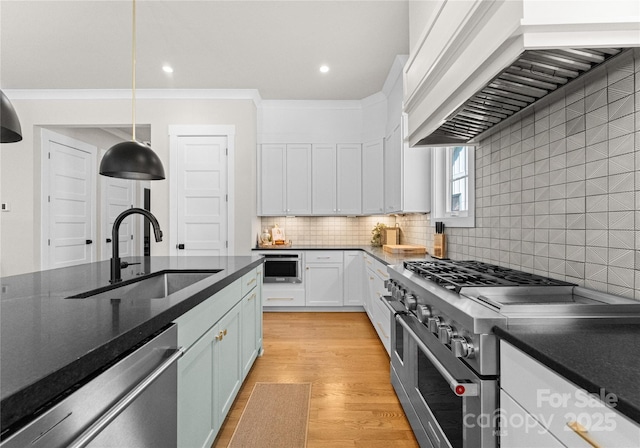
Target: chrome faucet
115	253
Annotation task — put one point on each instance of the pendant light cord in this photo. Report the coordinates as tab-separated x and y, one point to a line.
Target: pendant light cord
133	74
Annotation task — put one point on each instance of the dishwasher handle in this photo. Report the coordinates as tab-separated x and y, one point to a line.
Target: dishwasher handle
125	401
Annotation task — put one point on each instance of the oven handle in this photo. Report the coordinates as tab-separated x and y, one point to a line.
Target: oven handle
462	388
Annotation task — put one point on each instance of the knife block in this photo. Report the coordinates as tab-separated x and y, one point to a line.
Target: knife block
439	245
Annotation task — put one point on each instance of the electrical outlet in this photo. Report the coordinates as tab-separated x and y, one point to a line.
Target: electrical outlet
6	207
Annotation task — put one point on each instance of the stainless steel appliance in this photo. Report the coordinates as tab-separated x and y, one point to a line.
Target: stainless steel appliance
444	359
133	403
282	267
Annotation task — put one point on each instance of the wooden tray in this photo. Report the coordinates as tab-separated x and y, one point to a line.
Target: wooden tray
275	246
404	249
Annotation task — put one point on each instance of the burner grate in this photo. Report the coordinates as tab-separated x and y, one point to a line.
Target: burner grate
455	275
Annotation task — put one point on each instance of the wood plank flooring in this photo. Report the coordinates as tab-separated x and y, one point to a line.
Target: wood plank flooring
352	401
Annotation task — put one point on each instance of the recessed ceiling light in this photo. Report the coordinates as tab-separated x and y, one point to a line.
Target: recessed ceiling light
324	68
167	69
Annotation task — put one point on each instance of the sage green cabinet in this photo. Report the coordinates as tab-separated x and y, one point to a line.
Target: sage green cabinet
222	337
227	366
197	419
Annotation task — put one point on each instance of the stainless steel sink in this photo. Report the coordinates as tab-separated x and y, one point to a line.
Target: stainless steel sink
157	286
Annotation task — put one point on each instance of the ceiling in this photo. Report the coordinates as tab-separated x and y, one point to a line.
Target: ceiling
276	47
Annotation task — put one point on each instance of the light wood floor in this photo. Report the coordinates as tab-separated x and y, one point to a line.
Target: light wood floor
352	401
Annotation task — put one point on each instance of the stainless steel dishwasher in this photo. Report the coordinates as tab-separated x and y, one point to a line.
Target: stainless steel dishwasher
131	404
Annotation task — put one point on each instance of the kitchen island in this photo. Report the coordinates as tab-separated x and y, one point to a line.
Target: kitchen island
50	341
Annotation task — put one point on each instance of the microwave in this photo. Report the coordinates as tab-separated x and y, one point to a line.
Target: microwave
282	267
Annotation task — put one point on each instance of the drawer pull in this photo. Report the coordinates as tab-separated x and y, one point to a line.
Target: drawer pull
323	258
286	299
253	280
253	296
582	432
386	336
384	274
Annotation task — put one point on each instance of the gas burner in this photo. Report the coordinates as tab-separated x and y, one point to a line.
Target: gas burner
455	275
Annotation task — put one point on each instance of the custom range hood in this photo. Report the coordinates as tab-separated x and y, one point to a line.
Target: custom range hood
532	76
478	63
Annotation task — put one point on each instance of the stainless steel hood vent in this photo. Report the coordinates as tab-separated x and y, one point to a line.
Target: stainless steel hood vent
534	74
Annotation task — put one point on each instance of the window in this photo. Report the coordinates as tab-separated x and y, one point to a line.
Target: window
453	188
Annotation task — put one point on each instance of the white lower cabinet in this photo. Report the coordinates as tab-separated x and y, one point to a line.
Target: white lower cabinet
379	314
222	336
353	273
557	404
519	429
323	278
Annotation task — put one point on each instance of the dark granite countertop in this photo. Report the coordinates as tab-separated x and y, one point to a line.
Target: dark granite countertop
601	359
377	252
49	343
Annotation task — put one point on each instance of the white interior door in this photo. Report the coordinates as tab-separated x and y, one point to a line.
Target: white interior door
202	196
117	196
69	213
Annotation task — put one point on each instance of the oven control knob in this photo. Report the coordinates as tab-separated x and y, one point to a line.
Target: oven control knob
446	333
434	324
462	347
388	284
399	294
410	302
423	312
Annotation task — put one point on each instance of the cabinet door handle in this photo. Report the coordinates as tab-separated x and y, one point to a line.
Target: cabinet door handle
382	330
384	274
582	432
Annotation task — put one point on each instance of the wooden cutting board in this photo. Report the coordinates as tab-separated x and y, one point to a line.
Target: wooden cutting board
404	249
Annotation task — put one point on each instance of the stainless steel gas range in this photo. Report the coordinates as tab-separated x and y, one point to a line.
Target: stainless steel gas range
444	357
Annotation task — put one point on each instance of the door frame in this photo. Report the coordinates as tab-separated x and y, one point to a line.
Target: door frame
45	136
177	131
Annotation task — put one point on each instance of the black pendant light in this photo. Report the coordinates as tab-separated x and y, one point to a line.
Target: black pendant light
10	131
132	160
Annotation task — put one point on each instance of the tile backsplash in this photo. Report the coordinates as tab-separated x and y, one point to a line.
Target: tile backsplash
334	230
557	190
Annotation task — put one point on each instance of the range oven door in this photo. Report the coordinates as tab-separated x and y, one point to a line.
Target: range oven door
456	407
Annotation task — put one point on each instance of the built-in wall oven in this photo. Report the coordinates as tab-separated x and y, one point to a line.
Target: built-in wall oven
282	267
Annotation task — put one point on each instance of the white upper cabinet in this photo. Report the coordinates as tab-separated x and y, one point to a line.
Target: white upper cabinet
272	181
285	179
337	179
298	179
349	179
393	172
323	175
407	171
464	44
373	178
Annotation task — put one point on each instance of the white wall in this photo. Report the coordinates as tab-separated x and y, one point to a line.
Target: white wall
20	162
310	122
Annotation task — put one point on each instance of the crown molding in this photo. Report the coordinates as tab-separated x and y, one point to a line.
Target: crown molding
117	94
